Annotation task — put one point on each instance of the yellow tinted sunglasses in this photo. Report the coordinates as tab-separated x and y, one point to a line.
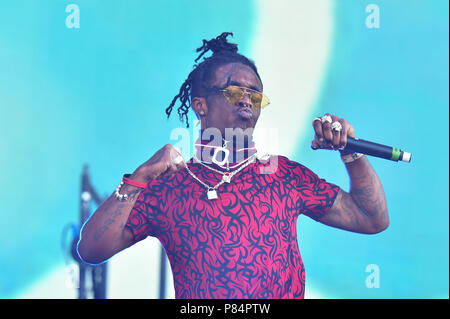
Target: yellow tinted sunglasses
235	93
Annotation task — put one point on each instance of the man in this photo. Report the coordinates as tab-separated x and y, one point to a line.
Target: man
227	217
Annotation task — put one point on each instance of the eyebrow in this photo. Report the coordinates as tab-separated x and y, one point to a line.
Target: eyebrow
234	82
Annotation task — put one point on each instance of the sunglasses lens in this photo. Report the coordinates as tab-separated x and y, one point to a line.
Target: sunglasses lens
259	99
256	99
234	94
264	101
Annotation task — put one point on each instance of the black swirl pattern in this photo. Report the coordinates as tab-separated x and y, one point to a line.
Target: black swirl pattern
241	245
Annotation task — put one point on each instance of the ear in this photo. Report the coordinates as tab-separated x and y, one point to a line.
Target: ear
199	106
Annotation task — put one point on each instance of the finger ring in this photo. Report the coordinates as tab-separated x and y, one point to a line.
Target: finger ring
177	149
336	126
326	118
177	160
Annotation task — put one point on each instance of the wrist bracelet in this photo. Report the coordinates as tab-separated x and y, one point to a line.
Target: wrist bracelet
128	181
120	197
348	158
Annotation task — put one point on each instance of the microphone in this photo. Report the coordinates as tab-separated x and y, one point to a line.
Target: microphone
377	150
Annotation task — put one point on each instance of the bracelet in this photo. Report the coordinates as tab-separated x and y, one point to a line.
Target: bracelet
120	197
348	158
128	181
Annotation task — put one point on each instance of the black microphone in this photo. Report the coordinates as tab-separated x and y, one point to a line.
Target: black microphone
377	150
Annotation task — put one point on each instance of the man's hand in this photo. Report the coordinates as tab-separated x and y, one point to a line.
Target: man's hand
364	208
164	163
327	138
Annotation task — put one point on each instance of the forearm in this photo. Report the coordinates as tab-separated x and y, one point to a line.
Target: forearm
367	192
105	234
102	235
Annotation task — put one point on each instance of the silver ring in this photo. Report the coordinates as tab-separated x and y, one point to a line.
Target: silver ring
177	160
336	126
326	118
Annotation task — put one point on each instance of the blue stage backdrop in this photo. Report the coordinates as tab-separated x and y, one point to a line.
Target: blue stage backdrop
87	82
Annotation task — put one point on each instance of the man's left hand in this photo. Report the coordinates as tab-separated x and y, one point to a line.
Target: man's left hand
328	138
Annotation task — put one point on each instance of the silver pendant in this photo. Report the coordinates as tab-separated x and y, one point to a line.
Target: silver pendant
226	178
216	152
212	194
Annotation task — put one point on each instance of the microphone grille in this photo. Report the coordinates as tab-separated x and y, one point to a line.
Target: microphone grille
406	157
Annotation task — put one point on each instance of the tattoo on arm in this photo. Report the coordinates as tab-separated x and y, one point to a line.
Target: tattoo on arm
363	209
110	220
366	189
344	213
132	195
367	192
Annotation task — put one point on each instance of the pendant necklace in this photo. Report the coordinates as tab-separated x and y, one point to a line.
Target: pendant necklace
226	152
226	176
211	192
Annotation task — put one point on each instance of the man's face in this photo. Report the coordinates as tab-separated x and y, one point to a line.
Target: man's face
221	113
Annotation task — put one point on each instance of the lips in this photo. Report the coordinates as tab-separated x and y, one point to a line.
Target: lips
245	112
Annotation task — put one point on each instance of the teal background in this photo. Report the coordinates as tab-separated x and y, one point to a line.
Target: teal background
97	95
391	84
93	95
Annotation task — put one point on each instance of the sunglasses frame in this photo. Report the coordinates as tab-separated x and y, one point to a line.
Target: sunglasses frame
245	89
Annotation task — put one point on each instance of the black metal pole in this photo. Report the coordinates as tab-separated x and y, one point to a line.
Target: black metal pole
84	215
162	274
99	280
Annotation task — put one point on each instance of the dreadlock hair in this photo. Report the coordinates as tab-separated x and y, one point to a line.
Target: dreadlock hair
195	85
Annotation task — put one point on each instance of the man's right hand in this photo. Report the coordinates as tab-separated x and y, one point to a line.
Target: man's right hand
161	164
104	234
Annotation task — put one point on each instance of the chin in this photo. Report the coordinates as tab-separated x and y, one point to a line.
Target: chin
240	123
244	125
247	123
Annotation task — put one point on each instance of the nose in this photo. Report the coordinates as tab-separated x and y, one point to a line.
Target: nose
245	101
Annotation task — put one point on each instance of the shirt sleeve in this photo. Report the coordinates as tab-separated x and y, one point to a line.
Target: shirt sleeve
314	195
318	195
143	219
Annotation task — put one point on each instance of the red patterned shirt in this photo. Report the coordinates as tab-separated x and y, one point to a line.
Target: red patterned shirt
242	244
